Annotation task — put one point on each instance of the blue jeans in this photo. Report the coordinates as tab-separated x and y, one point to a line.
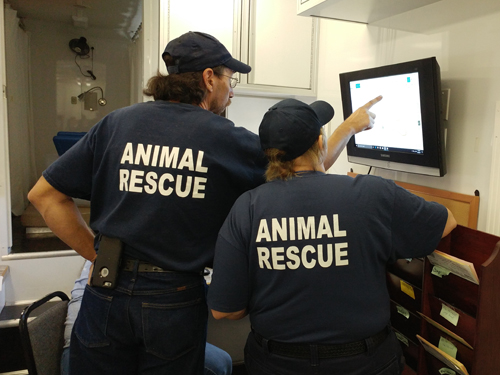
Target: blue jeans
217	361
385	359
151	323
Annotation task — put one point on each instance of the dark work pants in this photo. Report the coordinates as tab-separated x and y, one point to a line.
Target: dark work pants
382	360
151	323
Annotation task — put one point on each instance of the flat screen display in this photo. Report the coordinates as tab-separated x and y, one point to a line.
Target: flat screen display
398	125
408	133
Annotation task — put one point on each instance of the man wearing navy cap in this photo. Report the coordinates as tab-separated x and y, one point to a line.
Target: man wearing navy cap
305	255
162	176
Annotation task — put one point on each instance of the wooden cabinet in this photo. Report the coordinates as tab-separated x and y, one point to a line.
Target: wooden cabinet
474	307
404	282
281	47
449	308
422	301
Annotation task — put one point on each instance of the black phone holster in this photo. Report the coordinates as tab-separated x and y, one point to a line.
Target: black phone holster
107	263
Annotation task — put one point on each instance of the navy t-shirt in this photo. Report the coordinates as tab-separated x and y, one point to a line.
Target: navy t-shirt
307	257
162	177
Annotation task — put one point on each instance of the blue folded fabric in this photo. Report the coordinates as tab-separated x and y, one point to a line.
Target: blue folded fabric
64	140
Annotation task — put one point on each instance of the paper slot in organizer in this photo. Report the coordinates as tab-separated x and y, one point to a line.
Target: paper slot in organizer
456	266
445	330
443	357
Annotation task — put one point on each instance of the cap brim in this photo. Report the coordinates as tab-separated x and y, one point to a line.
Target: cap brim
323	110
237	66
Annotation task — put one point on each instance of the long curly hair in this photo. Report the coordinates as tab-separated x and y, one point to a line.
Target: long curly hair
182	87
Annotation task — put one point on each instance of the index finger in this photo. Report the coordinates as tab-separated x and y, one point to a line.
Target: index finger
372	102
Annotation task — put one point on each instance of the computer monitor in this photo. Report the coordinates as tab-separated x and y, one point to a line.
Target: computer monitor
408	134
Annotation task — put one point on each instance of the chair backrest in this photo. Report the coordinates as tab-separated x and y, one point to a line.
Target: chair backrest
43	337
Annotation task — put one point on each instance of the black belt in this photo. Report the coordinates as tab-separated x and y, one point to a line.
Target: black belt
129	265
324	351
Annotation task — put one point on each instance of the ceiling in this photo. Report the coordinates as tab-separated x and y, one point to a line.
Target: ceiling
121	16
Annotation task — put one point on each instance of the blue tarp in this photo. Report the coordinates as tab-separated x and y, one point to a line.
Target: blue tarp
64	140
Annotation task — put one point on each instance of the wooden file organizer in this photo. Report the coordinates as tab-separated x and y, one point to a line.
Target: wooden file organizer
414	291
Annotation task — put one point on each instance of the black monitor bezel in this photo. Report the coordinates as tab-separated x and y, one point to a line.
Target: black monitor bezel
430	106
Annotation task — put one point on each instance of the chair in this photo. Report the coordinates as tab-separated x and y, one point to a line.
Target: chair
42	337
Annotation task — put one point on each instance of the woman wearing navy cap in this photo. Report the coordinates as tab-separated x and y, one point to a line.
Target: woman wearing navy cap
305	255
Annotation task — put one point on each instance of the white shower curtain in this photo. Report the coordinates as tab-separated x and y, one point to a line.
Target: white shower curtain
136	54
21	141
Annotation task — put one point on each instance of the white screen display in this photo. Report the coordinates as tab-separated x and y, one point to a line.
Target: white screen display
398	122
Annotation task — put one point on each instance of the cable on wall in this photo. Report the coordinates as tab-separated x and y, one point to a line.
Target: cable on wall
82	50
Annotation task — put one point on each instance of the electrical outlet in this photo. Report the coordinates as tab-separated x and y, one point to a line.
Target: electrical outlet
90	101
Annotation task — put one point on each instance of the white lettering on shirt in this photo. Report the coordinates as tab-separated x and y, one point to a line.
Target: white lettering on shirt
304	229
309	256
137	180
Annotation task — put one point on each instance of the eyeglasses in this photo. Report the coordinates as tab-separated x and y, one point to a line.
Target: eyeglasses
233	81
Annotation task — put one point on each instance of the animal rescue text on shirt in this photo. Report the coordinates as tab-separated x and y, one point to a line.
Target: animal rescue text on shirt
301	229
140	181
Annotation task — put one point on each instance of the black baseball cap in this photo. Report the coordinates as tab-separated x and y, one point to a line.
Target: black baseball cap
293	126
196	51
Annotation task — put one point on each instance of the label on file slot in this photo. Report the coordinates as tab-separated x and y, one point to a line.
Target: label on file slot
448	347
402	338
403	311
407	289
446	330
449	314
440	271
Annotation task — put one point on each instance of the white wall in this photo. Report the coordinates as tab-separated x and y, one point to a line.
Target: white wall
56	78
31	279
470	67
248	112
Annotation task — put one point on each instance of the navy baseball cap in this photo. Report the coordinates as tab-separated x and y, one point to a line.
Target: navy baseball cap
293	126
195	51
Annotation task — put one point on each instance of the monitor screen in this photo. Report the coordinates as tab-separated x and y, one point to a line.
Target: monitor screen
398	125
407	134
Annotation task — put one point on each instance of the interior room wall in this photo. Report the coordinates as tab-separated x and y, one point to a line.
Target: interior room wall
469	67
55	78
466	52
248	111
20	130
